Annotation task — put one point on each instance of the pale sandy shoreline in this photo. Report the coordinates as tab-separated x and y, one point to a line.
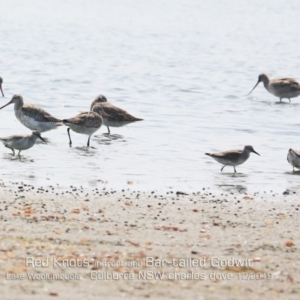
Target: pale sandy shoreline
110	244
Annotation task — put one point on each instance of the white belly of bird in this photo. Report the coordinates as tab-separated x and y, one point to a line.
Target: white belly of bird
274	91
227	162
280	93
83	130
33	124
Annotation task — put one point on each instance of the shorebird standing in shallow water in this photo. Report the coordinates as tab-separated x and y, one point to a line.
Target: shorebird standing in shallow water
117	116
232	157
293	158
1	81
86	123
21	141
32	116
281	87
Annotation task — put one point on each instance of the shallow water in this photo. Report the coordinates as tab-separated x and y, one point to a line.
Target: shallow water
183	66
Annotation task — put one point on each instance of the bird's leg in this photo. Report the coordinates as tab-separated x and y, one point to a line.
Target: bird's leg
222	168
70	143
13	151
289	100
108	130
19	154
280	99
88	143
234	169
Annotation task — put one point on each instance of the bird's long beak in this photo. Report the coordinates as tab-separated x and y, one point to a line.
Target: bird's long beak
254	87
10	102
256	152
1	90
42	139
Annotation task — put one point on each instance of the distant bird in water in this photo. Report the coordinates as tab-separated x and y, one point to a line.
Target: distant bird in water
32	116
117	116
281	87
1	81
21	141
293	158
86	123
232	157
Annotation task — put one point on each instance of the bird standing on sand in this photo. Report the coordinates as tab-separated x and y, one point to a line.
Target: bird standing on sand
281	87
21	141
232	157
86	123
293	158
117	116
1	81
32	116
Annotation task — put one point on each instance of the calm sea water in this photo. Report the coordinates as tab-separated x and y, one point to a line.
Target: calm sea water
183	66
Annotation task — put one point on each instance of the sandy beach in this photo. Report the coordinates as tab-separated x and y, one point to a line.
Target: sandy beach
96	243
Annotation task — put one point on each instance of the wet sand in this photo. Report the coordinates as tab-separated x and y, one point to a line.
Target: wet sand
81	243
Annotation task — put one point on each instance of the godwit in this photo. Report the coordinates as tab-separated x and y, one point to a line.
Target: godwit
32	116
117	116
293	158
280	87
21	141
1	81
232	157
85	123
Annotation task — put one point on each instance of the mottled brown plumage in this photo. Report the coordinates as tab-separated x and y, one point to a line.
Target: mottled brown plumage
117	117
85	123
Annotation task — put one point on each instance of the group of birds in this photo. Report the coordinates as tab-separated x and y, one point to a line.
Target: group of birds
38	120
102	112
283	88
